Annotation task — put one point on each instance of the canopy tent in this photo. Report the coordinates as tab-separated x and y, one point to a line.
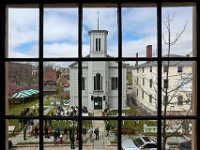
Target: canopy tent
24	94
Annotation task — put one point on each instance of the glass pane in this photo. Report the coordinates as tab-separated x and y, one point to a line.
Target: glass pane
99	134
100	90
60	32
177	94
60	88
23	32
95	29
139	30
62	133
22	88
139	134
177	134
23	133
140	88
177	27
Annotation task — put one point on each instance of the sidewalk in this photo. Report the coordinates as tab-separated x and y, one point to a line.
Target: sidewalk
19	138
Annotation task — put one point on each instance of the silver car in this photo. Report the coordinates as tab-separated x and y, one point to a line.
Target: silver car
140	143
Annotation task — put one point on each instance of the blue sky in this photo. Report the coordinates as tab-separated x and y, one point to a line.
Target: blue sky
61	30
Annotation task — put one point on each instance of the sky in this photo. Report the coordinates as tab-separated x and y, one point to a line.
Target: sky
139	29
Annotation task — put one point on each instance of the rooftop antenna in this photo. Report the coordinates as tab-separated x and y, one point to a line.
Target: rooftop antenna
98	19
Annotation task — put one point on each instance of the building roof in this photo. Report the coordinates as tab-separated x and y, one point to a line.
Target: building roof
171	63
98	31
88	56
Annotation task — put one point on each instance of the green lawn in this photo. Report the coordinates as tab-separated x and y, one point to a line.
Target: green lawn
15	109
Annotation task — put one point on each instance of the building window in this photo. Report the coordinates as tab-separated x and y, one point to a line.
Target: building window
150	98
137	70
150	83
98	82
142	94
165	81
165	68
98	44
114	83
143	81
165	100
137	80
142	69
150	69
83	83
179	69
180	100
137	92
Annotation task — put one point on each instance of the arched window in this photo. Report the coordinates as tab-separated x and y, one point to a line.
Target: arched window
98	82
180	100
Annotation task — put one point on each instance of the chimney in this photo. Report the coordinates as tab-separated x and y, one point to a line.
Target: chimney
136	63
149	51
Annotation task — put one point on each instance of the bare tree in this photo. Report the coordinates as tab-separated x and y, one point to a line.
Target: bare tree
169	42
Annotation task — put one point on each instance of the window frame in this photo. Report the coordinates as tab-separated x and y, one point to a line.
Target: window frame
3	23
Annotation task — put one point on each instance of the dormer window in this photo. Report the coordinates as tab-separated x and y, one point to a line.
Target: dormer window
98	44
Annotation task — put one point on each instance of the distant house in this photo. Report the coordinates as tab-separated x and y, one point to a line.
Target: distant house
99	78
20	74
50	81
179	85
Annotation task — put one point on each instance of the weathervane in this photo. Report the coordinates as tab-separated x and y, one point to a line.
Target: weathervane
98	19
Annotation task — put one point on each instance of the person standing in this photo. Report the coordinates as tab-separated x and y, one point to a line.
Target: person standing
36	131
25	128
72	140
61	139
58	131
55	136
107	128
90	132
96	132
46	131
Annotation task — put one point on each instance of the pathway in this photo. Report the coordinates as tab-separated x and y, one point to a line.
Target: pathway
20	137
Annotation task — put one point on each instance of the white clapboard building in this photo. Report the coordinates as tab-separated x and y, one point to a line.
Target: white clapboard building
99	78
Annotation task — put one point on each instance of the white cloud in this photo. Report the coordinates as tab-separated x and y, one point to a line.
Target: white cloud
61	30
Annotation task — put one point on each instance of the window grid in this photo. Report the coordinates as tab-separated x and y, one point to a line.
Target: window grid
80	59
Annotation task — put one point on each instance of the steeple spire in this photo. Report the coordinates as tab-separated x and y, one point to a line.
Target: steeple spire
98	19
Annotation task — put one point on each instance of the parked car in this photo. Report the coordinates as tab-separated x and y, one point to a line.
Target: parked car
66	103
185	145
140	143
57	102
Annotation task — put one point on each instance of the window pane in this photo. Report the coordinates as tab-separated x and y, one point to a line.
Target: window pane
99	134
22	88
177	134
139	32
60	88
60	32
101	87
22	133
131	137
139	87
23	32
177	89
99	37
61	132
177	24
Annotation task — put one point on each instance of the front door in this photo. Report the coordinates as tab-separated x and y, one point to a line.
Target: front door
97	102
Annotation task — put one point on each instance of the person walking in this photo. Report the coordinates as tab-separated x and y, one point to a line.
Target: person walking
96	132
